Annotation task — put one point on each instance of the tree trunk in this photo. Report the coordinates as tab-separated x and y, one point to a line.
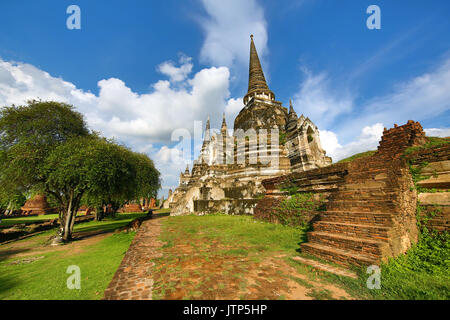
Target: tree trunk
99	214
67	234
8	208
72	222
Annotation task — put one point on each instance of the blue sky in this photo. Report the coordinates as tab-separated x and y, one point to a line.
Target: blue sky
138	70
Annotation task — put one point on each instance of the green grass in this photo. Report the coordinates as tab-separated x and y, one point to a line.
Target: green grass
109	223
238	243
263	236
431	142
32	219
423	273
358	155
46	278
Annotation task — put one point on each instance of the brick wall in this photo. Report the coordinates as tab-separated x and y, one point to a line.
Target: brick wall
370	202
434	195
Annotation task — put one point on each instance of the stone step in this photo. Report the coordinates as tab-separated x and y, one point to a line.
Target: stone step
326	267
365	231
369	171
365	218
339	256
362	205
369	247
366	195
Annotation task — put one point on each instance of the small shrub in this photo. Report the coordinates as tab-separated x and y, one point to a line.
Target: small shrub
293	210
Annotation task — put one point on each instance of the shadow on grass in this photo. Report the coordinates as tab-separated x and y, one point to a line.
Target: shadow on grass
5	254
6	284
110	225
160	215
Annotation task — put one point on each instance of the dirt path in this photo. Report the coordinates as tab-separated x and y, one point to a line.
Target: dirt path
199	269
37	245
133	279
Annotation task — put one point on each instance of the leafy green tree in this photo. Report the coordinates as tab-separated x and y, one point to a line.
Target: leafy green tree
145	184
28	134
46	147
86	165
148	177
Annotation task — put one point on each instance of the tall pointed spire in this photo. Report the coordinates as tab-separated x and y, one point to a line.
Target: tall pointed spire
224	128
292	114
207	136
256	80
208	125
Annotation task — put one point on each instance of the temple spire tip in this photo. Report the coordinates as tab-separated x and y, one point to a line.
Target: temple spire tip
256	81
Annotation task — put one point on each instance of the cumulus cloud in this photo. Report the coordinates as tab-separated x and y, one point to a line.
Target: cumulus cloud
144	121
227	30
368	139
117	110
232	109
177	74
317	100
423	97
437	132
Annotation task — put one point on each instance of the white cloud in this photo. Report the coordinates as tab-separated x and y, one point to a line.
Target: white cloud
139	120
437	132
177	74
424	97
227	30
232	110
329	141
319	102
367	140
117	111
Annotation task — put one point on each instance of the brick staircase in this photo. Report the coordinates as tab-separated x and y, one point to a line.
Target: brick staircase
358	223
370	216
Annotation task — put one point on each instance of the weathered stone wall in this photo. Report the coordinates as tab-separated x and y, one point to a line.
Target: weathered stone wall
370	202
433	170
227	206
321	182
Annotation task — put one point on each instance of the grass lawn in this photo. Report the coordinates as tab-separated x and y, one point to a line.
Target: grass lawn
32	219
402	280
232	257
236	230
42	271
211	257
204	253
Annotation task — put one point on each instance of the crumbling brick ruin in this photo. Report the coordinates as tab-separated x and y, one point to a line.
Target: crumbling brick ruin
366	208
370	202
36	205
267	141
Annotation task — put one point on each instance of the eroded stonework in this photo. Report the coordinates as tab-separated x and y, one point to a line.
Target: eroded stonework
267	141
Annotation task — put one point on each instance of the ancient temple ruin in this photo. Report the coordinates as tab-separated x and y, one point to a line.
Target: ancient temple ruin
36	205
268	140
